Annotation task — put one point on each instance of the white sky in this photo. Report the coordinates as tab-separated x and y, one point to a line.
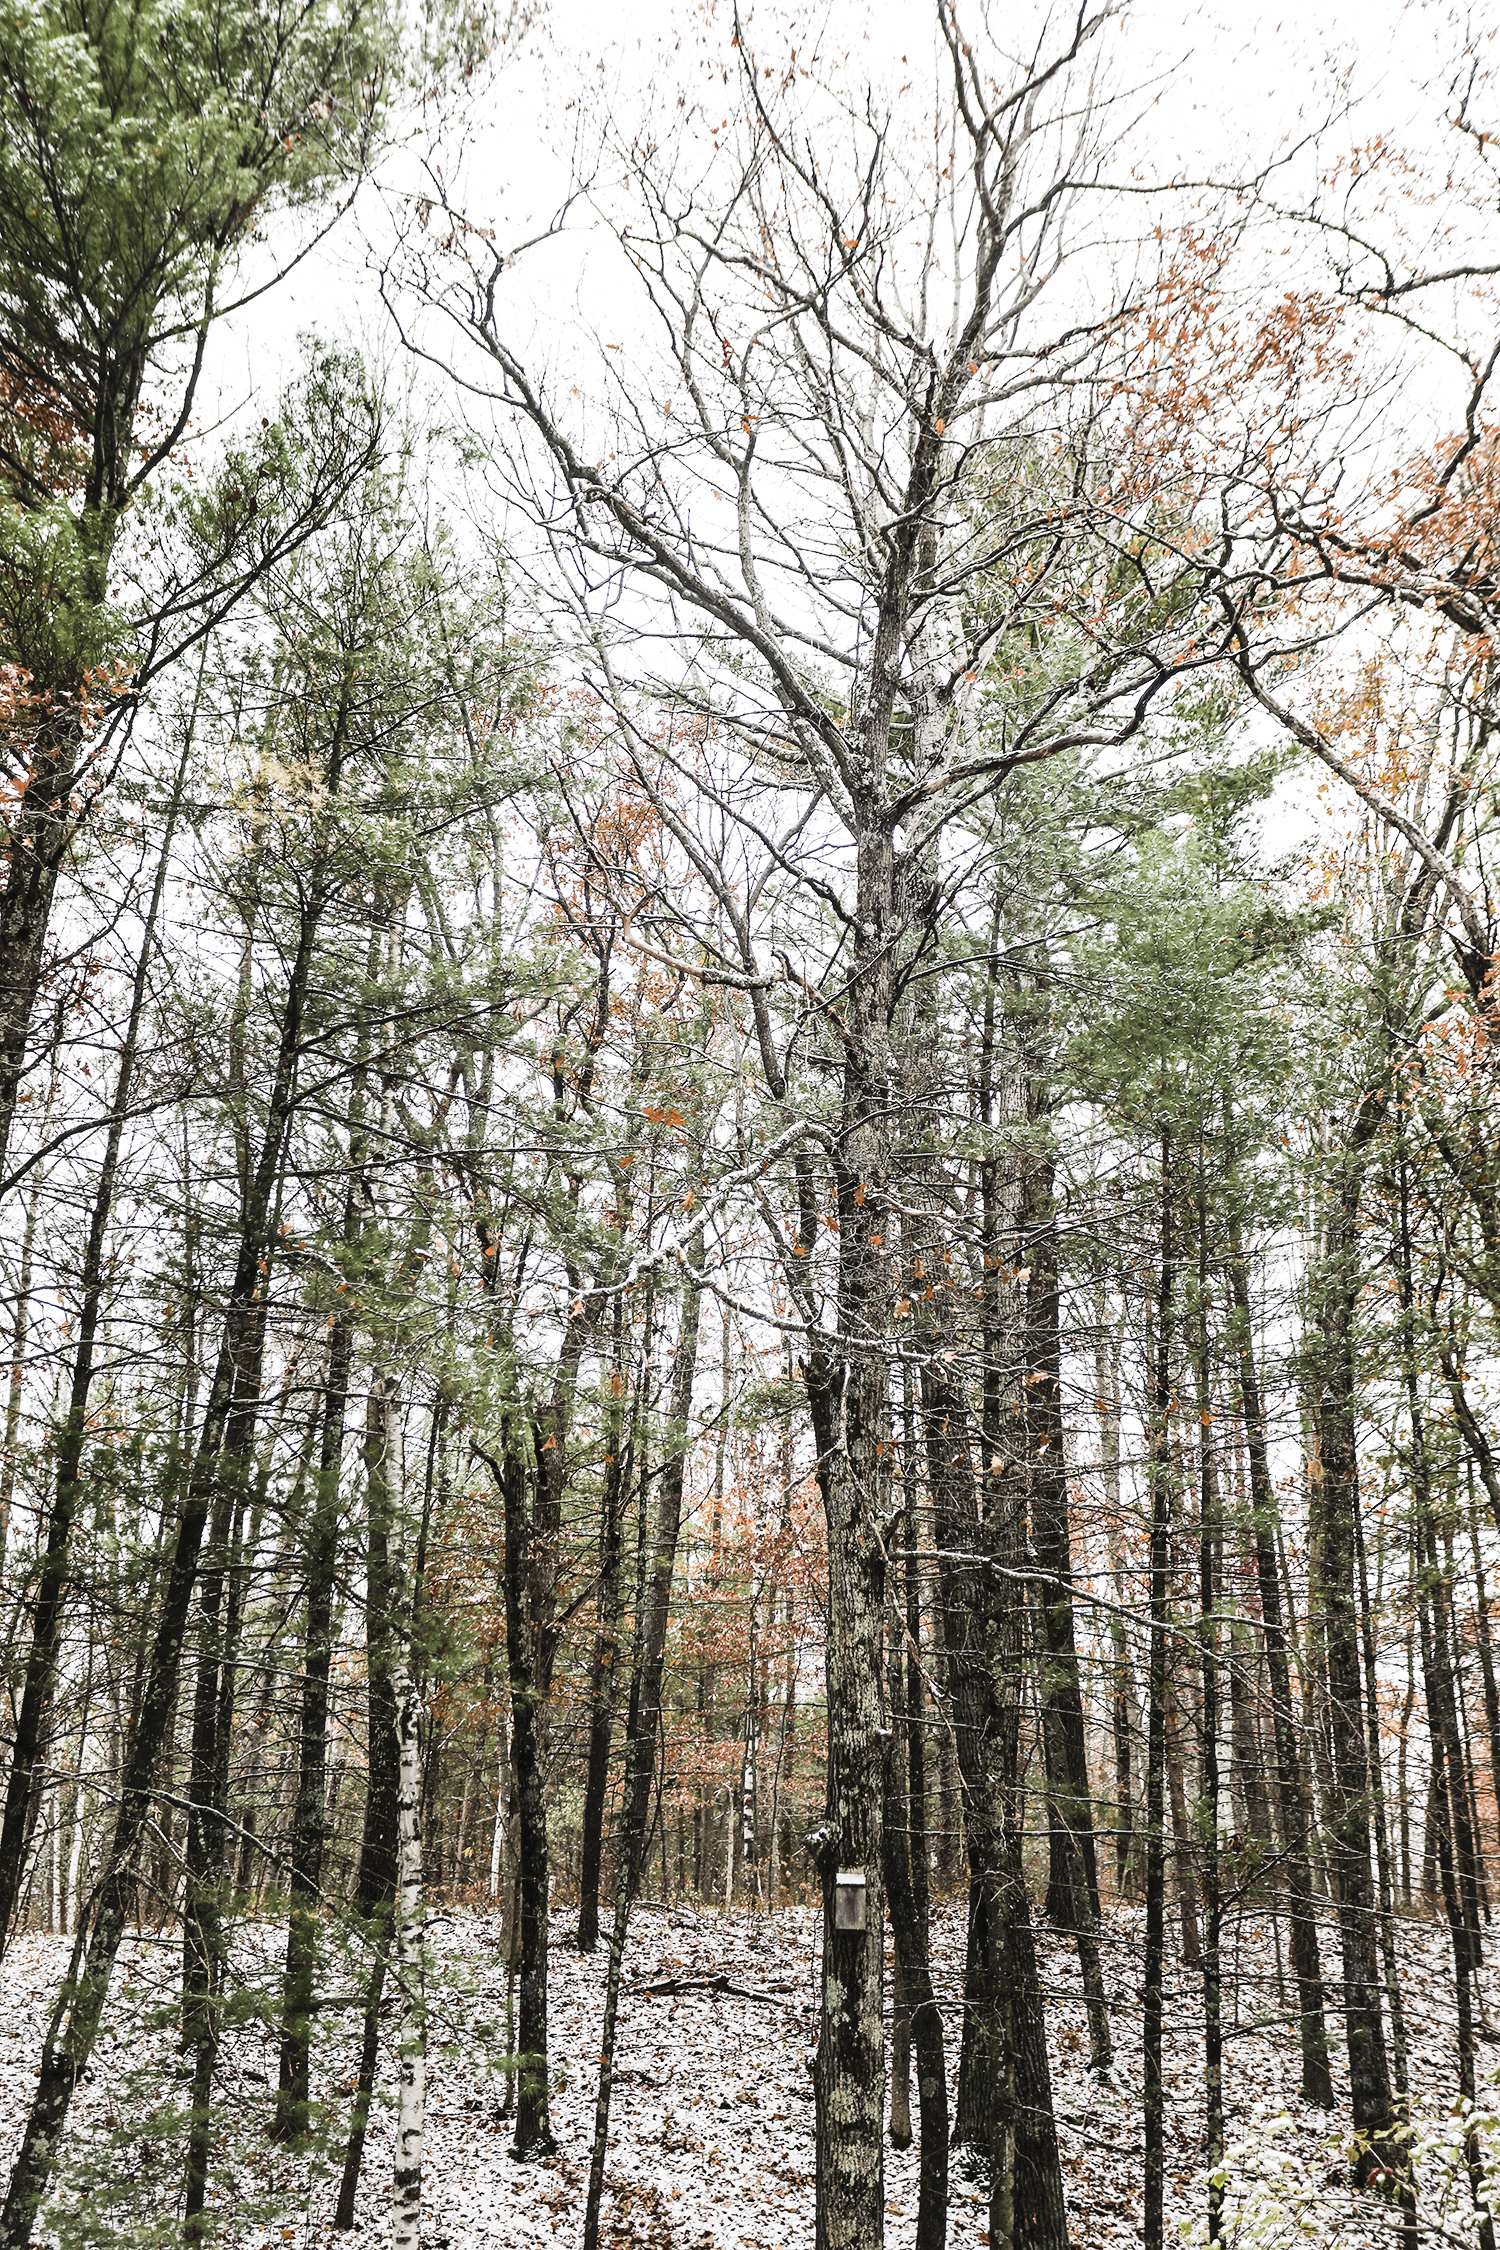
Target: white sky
1220	89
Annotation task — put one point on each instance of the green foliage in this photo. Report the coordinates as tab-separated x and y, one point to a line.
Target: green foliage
50	620
144	144
1185	1008
1274	2198
141	149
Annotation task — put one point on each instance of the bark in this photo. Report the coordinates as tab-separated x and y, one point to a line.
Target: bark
529	1665
850	2071
1004	2109
1479	1448
1121	1690
643	1722
309	1811
67	1487
1451	1834
950	1853
68	2050
1312	1663
1338	1500
1486	1650
1447	1795
916	1697
410	1970
249	1872
1159	1444
705	1812
1317	2078
898	2076
896	1856
1247	1747
532	1495
499	1833
606	1655
375	1882
1041	2216
20	1332
1073	1878
1004	2074
203	1950
1182	1841
847	1384
905	1865
978	1611
1388	1953
39	833
1402	1795
1210	1545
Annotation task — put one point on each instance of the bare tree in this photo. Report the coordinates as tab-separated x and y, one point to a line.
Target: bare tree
878	459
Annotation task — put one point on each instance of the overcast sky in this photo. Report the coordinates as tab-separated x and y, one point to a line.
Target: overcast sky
1216	91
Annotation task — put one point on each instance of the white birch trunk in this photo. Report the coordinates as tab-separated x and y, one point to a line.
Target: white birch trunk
497	1841
729	1846
411	2100
749	1809
75	1856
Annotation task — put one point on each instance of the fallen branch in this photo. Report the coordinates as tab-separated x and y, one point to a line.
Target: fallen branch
771	1998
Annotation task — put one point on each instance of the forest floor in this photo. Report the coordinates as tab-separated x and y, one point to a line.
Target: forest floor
711	2143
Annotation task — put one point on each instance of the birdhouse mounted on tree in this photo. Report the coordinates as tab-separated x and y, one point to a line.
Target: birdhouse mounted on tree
849	1899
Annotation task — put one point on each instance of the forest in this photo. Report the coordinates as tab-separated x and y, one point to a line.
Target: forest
749	1140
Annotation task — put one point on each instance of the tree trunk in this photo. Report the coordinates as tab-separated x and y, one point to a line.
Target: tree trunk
644	1718
853	1472
1159	1443
15	1389
533	2106
1447	1793
66	2057
39	833
410	1969
67	1485
1210	1545
1182	1840
1008	2110
906	1880
1337	1493
1121	1686
898	1889
532	1534
1388	1953
1486	1650
203	1952
375	1884
847	1382
1073	1877
308	1814
1317	2079
1247	1747
606	1656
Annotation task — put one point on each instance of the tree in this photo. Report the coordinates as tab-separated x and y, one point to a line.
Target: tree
841	432
142	153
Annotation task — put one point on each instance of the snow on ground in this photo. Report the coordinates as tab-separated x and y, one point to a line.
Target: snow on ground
712	2122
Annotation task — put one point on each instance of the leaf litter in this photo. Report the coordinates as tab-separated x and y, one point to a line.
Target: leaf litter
711	2127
